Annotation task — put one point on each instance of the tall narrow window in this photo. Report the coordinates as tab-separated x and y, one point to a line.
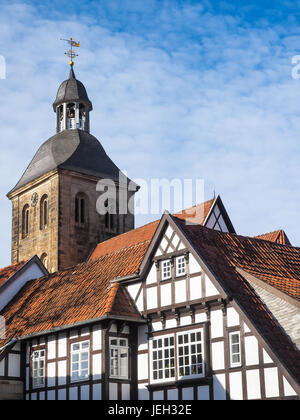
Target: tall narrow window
81	212
119	360
235	349
190	354
80	361
163	358
82	117
180	266
44	259
44	212
25	221
166	270
60	116
71	116
110	217
38	369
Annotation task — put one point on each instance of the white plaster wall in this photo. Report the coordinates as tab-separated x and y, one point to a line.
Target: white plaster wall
193	264
97	338
195	288
233	318
216	319
180	291
166	294
152	298
210	288
218	357
142	366
236	386
62	372
271	382
219	385
251	351
253	384
51	345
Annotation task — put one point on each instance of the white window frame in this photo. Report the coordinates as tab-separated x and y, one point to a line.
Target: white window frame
39	357
115	355
233	353
166	275
81	359
179	266
176	347
193	354
163	348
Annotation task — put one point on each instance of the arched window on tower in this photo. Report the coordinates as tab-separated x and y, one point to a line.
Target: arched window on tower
81	209
44	216
44	259
25	221
71	116
60	116
82	116
110	219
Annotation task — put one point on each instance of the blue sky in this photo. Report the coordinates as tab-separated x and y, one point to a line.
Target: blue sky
180	88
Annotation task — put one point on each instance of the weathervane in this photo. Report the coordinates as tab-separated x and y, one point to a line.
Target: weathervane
71	54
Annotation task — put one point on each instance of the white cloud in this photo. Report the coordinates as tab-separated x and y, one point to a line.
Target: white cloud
195	95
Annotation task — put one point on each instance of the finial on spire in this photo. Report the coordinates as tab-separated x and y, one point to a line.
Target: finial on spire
71	54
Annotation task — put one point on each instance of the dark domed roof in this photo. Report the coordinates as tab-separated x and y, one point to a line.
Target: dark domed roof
72	90
74	150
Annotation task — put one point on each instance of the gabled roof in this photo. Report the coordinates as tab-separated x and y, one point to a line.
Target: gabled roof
79	294
7	272
195	214
279	236
275	264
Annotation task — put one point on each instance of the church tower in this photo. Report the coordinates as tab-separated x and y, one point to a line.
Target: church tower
54	205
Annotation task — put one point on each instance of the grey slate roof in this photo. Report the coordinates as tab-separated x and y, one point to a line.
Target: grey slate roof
72	90
75	150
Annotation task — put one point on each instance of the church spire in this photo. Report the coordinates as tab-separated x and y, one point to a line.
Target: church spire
72	105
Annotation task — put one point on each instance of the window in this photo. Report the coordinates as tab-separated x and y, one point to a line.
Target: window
110	217
80	361
71	116
119	360
38	368
190	354
163	358
81	209
82	117
60	116
166	270
235	349
25	221
180	266
44	259
178	356
44	212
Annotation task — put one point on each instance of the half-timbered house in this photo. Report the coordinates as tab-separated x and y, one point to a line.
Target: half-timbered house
182	308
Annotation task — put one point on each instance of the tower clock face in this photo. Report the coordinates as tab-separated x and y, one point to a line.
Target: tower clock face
34	199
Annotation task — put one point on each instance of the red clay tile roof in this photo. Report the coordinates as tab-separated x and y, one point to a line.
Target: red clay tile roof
81	293
196	214
278	265
279	236
7	272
